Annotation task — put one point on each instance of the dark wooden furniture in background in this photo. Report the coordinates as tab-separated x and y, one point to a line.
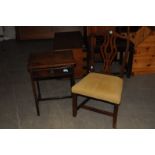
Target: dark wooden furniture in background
144	56
34	32
72	41
48	65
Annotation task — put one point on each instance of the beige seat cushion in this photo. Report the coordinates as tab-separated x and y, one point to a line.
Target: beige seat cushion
100	86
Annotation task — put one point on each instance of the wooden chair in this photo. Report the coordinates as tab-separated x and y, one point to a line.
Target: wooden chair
102	86
123	38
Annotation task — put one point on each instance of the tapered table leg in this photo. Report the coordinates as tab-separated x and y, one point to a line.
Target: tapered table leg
35	97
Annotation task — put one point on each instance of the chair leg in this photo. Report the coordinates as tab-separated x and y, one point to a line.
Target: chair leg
115	112
74	104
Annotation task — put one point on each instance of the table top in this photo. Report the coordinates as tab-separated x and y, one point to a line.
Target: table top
68	40
51	59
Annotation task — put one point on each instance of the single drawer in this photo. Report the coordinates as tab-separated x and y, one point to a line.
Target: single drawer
51	72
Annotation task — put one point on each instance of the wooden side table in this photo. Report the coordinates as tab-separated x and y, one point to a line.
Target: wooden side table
48	65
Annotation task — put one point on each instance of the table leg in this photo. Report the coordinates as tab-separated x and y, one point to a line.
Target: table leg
38	88
35	96
72	81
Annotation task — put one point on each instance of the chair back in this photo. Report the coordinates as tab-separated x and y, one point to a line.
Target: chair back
109	51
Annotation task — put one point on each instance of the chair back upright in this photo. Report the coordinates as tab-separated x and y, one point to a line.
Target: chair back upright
108	51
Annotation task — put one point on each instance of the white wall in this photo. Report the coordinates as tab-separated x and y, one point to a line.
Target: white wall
8	32
1	30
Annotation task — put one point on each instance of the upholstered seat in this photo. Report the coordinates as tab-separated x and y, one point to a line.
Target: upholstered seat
100	86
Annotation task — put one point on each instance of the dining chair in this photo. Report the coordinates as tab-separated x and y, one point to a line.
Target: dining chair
105	86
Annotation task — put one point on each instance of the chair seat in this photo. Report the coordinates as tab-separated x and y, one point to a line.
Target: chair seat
100	86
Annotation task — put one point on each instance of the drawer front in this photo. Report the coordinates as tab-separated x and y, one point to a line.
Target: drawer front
51	72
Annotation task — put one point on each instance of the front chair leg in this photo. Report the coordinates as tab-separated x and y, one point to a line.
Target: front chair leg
74	104
115	115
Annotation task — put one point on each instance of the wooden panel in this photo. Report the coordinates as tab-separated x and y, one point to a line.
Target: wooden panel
145	51
144	57
144	62
78	55
148	42
141	34
51	59
139	72
98	30
34	32
67	40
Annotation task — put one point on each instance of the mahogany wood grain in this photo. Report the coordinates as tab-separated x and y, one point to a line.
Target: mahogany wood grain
34	32
50	59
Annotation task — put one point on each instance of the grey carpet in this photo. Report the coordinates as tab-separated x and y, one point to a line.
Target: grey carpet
17	108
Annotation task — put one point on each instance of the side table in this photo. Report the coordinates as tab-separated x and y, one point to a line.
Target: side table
49	65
